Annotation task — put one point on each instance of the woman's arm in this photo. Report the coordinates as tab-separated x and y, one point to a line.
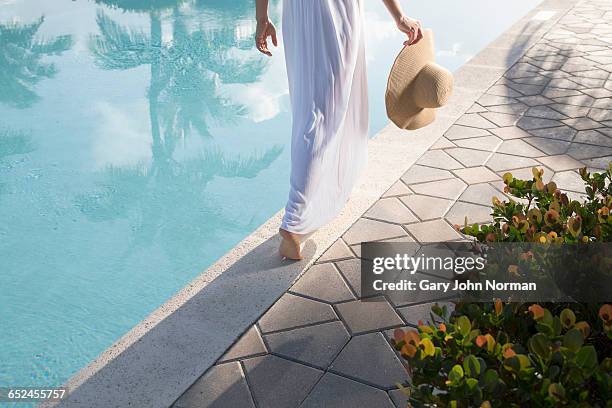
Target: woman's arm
265	28
407	25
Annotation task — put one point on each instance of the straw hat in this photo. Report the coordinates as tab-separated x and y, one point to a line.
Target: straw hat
417	85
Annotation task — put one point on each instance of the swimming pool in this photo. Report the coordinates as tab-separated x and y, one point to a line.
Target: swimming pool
140	143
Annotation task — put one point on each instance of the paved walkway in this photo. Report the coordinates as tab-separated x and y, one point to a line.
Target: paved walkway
319	346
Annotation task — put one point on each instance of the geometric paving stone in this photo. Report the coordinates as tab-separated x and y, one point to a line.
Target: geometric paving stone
582	123
560	133
450	188
587	151
478	214
397	189
500	162
518	147
535	100
475	175
371	359
249	344
489	100
600	114
570	110
222	386
569	180
544	112
427	208
438	159
276	382
593	137
500	119
469	157
338	250
433	231
365	230
548	146
560	163
351	270
293	311
399	398
416	313
363	316
603	103
476	108
442	143
530	123
503	90
598	163
421	174
476	121
488	143
391	210
510	133
558	92
310	284
479	194
462	132
598	92
315	345
511	109
334	391
578	100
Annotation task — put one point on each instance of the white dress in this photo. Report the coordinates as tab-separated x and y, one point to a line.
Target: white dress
325	56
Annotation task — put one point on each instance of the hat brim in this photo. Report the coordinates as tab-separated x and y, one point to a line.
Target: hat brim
400	104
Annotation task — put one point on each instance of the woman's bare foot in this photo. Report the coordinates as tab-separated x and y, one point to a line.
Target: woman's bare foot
290	245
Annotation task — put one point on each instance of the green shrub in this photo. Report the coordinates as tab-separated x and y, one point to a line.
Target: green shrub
516	355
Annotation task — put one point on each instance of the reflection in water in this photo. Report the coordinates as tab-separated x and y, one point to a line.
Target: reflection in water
183	96
20	61
12	143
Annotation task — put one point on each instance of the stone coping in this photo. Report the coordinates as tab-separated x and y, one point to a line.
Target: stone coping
156	361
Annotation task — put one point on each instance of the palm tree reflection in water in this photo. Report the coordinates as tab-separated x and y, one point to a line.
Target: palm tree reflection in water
183	97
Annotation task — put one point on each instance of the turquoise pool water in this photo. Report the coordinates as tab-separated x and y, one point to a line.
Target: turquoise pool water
139	142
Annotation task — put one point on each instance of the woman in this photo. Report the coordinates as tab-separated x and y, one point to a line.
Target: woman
324	51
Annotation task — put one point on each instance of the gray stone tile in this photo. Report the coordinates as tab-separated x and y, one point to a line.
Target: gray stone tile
535	100
507	133
480	194
560	162
500	119
463	132
488	143
334	391
364	316
370	358
442	143
400	400
598	163
476	121
310	284
489	100
560	133
582	123
421	313
293	311
578	100
425	207
572	111
450	188
518	147
222	386
548	146
581	151
598	93
569	180
397	189
474	175
438	159
527	89
338	250
249	344
545	112
510	109
600	114
476	108
314	345
602	103
499	162
475	214
421	174
279	383
551	92
391	210
529	123
503	90
351	270
433	231
365	230
593	137
469	157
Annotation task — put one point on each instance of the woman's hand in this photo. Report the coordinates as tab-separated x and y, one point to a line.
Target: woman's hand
412	28
265	29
